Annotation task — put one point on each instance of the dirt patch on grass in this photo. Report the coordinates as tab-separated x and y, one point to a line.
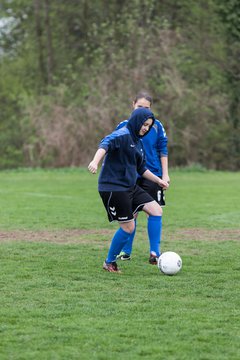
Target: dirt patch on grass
60	236
94	236
208	235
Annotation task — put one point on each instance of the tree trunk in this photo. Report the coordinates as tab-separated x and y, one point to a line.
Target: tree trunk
39	35
50	57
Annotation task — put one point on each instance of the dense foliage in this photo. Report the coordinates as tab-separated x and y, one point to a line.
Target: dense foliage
69	72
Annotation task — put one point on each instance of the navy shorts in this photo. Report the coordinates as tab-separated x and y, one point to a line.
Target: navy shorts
122	205
153	189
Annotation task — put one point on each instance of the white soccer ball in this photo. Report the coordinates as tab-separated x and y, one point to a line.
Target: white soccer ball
169	263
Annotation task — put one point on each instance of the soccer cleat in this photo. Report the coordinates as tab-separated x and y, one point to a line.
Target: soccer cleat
111	267
123	256
153	260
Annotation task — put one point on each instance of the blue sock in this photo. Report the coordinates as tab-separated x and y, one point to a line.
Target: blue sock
118	241
128	246
154	233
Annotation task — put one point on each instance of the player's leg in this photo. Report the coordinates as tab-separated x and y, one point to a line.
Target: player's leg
157	194
143	201
118	241
126	251
154	211
118	207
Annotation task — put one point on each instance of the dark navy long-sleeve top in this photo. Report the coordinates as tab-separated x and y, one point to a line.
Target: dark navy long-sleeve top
124	158
155	146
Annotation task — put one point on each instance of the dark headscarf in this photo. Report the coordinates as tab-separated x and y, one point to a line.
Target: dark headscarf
136	121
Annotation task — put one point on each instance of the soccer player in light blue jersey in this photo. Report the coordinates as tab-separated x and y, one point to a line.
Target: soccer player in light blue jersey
155	146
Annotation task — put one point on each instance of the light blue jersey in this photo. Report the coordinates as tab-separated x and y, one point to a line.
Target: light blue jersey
155	146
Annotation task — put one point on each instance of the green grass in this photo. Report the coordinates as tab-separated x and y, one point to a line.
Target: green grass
57	302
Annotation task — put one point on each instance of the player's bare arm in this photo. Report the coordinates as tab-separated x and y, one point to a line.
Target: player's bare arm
150	176
99	155
164	163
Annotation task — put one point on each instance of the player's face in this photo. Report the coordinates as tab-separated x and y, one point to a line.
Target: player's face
146	126
142	103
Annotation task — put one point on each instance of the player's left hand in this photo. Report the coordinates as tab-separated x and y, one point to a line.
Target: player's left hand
163	184
166	178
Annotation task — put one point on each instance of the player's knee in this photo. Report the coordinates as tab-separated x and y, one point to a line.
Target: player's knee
131	228
128	227
159	210
153	209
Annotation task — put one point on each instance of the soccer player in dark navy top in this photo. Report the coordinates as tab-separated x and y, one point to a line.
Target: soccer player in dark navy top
155	146
122	197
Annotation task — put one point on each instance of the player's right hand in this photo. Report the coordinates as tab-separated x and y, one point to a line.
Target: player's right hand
92	167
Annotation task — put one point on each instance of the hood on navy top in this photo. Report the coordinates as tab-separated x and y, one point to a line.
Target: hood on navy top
136	121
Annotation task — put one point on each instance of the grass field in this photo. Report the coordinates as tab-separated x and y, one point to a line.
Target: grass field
58	303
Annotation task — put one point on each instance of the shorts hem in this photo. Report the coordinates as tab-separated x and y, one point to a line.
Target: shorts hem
119	221
142	205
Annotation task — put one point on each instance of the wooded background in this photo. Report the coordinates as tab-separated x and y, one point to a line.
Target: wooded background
70	70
